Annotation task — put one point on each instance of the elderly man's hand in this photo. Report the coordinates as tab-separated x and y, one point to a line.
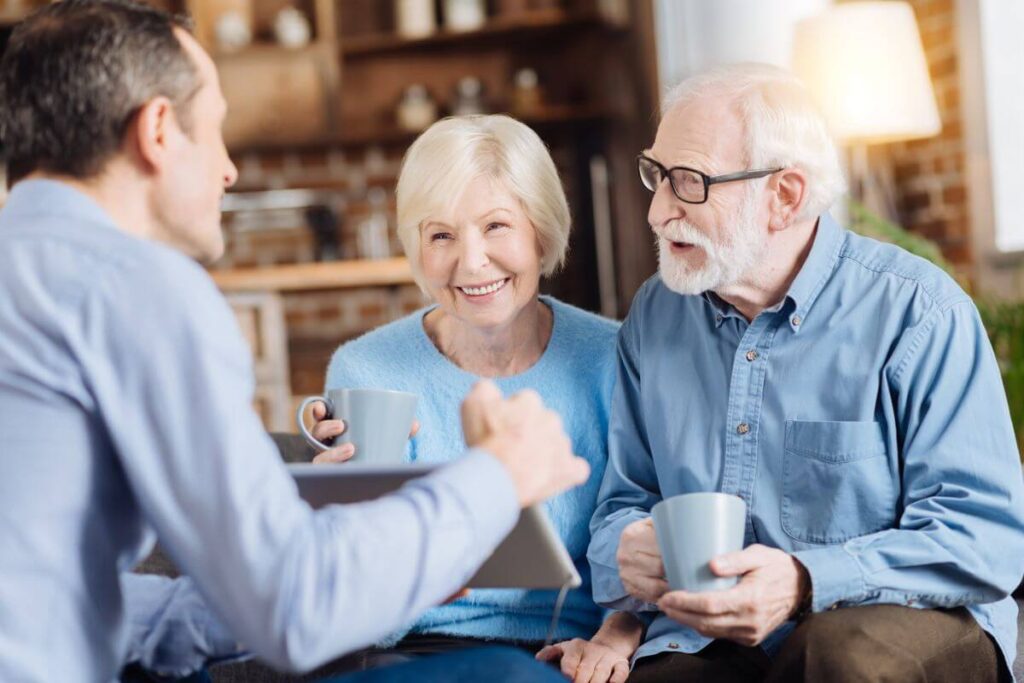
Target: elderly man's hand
772	585
640	566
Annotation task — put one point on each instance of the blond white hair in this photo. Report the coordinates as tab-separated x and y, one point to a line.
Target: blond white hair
782	124
455	151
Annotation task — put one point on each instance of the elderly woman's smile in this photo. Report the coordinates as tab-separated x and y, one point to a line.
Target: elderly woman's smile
479	292
481	259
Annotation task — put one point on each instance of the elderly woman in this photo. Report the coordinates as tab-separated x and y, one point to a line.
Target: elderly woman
483	217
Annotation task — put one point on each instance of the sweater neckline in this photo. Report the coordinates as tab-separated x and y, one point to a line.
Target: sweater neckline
538	367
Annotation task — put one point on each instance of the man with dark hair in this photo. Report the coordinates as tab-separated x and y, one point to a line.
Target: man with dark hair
122	60
125	397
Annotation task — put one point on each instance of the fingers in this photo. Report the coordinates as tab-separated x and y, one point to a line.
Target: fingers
571	657
342	453
599	670
477	411
620	672
549	653
712	603
585	667
319	410
729	627
328	429
746	560
579	470
646	588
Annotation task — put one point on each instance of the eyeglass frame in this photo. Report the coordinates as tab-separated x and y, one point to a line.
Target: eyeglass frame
709	180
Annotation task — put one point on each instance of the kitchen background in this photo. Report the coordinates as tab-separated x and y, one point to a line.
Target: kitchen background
325	96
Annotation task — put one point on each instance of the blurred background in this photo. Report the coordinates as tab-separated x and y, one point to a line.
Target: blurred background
926	98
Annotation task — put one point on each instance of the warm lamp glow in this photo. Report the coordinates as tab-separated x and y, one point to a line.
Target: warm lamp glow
864	63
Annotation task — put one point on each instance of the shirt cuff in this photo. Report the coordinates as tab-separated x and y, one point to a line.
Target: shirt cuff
486	492
606	583
835	576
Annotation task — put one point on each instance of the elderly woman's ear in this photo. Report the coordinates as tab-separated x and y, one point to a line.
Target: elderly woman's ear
788	192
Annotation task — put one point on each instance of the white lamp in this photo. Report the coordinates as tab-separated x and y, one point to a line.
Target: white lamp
864	63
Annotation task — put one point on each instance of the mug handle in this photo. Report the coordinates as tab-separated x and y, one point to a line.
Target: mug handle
310	439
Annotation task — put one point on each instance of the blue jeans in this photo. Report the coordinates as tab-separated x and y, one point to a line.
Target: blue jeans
491	664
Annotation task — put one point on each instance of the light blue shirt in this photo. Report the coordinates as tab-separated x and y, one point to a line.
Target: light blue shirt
574	376
125	416
862	420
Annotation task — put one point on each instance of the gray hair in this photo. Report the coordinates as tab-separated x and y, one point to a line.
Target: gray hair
782	124
453	152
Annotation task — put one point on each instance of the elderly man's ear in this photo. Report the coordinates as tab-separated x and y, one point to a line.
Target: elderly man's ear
788	190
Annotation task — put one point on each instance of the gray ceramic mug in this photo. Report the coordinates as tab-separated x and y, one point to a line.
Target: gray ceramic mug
377	421
692	530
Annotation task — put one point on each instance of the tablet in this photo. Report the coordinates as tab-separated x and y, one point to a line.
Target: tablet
531	556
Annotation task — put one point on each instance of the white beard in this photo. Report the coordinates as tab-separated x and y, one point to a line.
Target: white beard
726	260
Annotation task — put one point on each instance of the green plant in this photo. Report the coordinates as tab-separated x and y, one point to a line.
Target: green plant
1004	320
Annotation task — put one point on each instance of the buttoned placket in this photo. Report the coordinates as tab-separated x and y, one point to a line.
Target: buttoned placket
745	401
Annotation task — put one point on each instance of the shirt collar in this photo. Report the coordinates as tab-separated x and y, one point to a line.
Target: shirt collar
806	286
820	262
42	197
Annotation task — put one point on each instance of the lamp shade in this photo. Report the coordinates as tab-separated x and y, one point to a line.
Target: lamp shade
864	63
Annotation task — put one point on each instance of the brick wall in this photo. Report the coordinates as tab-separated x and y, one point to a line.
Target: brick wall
930	181
318	321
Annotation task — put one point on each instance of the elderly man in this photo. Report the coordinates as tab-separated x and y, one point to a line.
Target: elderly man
844	389
126	392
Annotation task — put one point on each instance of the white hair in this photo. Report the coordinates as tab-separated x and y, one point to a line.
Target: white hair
455	151
782	124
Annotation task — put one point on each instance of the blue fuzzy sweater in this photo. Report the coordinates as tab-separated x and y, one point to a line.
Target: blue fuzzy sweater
575	377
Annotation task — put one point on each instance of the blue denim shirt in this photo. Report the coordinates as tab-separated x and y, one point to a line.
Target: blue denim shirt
862	419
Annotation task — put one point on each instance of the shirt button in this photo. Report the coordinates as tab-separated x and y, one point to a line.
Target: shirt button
673	646
718	319
751	355
834	606
796	321
742	428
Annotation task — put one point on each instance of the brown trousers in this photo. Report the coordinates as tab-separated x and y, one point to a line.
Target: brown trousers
873	643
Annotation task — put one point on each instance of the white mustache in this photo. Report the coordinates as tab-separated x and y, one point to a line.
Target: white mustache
680	230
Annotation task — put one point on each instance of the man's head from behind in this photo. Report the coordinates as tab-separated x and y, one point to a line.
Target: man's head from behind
112	92
728	120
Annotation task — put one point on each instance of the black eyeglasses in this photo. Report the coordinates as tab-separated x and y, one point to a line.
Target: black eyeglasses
689	184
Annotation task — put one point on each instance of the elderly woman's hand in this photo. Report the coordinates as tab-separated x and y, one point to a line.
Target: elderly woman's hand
587	661
324	430
602	659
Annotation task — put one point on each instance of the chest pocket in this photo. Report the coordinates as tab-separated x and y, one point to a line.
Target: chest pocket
837	482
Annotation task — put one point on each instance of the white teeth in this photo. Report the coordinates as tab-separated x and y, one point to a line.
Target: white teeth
480	291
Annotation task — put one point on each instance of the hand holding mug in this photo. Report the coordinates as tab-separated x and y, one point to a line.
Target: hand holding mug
373	425
324	430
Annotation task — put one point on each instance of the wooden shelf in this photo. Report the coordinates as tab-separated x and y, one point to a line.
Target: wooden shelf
549	115
9	17
267	49
312	276
392	136
518	25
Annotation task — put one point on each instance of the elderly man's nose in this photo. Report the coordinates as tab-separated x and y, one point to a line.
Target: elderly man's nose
665	206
